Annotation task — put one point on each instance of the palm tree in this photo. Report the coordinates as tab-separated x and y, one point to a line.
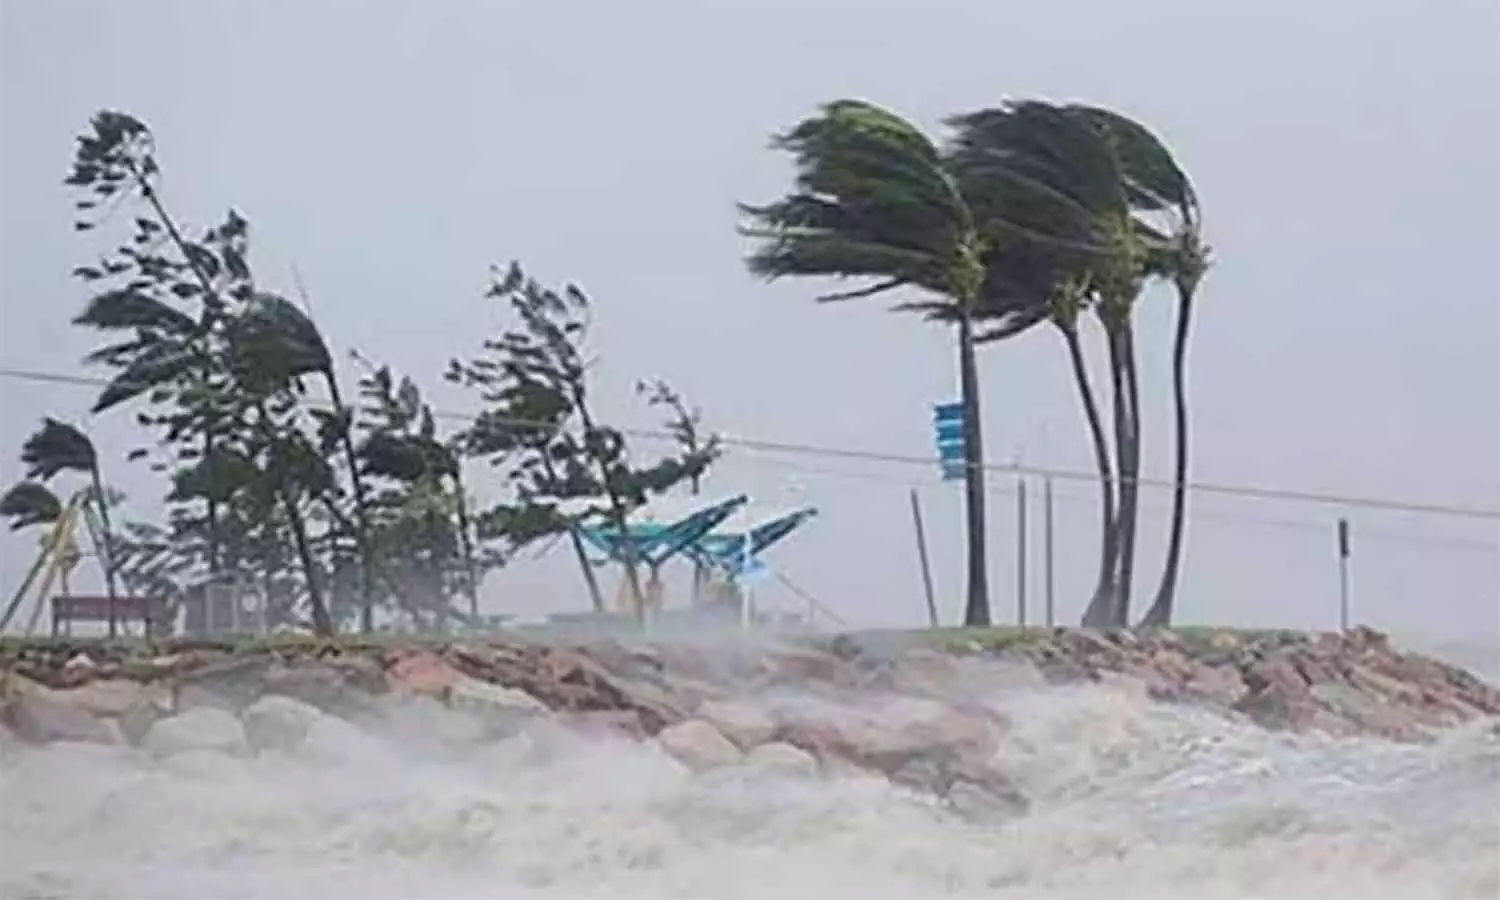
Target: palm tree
1069	182
54	448
873	199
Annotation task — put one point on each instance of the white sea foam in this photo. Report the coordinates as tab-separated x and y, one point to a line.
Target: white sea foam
1133	800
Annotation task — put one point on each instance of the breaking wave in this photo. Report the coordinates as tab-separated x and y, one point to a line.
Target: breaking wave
1132	800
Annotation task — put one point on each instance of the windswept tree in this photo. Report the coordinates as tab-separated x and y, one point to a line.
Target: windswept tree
873	199
567	466
219	367
52	450
422	526
1074	187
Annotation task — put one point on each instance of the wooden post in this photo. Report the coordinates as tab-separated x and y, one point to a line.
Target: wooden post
1344	575
916	520
1020	550
1047	559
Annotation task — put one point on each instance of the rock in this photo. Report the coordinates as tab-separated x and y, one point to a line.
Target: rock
199	728
603	724
333	741
976	790
227	684
323	685
802	665
115	696
277	722
782	759
41	717
742	723
422	672
79	668
494	710
698	745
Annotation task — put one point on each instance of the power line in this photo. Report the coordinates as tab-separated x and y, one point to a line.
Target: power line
802	449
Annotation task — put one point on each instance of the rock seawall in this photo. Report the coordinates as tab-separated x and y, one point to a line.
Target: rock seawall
916	708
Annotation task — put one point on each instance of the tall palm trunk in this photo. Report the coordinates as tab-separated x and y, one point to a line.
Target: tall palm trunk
1122	427
361	510
1160	613
107	544
1101	605
977	607
1130	473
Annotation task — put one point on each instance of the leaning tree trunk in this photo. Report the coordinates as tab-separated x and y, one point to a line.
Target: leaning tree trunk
1130	472
596	597
107	544
322	621
466	544
977	607
617	513
361	509
1160	613
1101	605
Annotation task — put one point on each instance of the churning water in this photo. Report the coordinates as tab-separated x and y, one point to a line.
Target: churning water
1133	800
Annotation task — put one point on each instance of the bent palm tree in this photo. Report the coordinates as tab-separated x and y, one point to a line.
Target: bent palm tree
1051	181
873	199
1159	188
54	448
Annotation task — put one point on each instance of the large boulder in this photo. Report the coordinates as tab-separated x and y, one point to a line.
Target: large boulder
40	715
197	729
698	745
743	723
278	723
781	759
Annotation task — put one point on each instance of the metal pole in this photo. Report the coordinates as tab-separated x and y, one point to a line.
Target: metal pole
1047	559
916	521
1020	550
1344	575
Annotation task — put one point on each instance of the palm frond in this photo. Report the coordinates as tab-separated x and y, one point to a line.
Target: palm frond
1152	178
57	447
29	503
871	199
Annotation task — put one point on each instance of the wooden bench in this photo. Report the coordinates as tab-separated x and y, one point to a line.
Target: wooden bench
152	612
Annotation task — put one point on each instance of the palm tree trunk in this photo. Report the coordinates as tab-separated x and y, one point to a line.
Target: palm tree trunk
1130	472
1121	416
361	511
107	541
1160	613
1101	605
977	607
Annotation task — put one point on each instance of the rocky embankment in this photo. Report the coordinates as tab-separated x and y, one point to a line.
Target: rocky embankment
917	708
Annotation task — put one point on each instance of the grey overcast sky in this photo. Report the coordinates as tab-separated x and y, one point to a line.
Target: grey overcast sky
1347	153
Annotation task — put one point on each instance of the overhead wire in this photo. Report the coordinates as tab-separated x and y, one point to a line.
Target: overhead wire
764	446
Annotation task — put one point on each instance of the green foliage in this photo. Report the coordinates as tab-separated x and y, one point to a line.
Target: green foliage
565	466
57	447
29	503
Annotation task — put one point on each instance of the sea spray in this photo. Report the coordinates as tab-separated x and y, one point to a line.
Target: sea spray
1129	799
